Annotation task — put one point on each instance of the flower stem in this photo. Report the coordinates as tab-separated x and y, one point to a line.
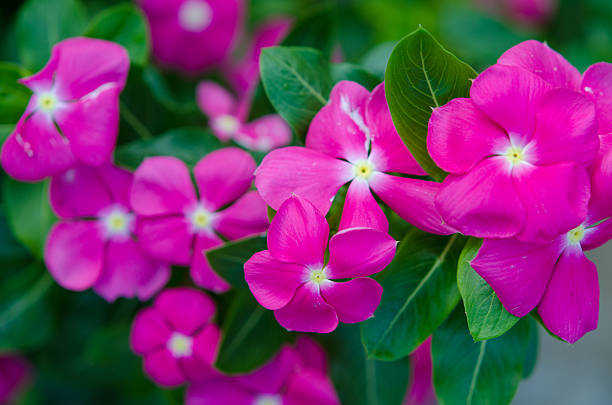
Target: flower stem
134	122
28	300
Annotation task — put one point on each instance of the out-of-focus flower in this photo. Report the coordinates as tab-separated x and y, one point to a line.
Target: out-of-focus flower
296	376
421	389
15	373
292	278
526	12
193	35
228	122
176	337
93	245
73	115
177	226
352	139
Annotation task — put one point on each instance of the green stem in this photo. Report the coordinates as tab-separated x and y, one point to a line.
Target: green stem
28	300
134	122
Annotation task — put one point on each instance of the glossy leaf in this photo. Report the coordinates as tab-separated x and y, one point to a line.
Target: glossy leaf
486	316
354	73
422	75
228	261
419	291
14	97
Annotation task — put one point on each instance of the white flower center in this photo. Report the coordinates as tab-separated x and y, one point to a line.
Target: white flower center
363	169
318	276
227	124
47	102
195	15
575	236
515	155
117	222
268	399
199	219
180	345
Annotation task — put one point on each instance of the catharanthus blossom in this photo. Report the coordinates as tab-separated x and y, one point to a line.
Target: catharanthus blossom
295	376
353	140
93	244
15	374
293	279
178	226
421	389
227	119
517	152
73	115
529	12
176	337
193	35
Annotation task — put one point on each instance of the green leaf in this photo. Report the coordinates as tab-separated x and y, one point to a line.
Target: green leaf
477	373
126	25
486	316
42	24
188	144
228	260
420	76
315	29
14	97
354	73
29	213
359	380
419	291
166	93
250	335
297	82
532	349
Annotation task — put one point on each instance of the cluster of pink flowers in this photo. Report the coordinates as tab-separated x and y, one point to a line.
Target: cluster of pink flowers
528	156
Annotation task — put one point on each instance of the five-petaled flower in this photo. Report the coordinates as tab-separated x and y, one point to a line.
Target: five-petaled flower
293	279
176	337
93	245
177	226
73	115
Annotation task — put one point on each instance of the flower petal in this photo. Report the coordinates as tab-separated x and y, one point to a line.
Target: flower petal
311	354
272	283
214	100
354	300
482	202
79	192
570	306
74	254
265	133
310	387
555	198
304	172
517	271
339	128
298	233
597	235
307	312
149	331
421	389
413	200
201	273
220	184
186	309
460	136
129	273
163	368
510	96
167	239
118	181
162	185
388	152
538	58
272	376
601	182
359	252
597	84
247	216
221	390
199	366
361	209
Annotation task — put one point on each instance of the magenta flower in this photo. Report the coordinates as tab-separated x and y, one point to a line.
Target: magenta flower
421	389
296	376
176	337
177	226
73	115
93	244
227	119
15	374
353	140
532	11
517	153
193	35
292	278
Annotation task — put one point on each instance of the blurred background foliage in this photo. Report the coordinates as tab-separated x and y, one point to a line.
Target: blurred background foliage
77	342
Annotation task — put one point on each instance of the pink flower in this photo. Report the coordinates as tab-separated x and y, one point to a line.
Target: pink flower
93	245
532	11
293	279
517	152
353	140
296	376
15	374
193	35
177	226
556	276
77	92
176	337
227	120
421	390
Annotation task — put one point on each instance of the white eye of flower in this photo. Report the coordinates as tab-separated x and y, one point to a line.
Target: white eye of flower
199	219
47	102
267	399
575	236
363	169
227	124
180	345
117	222
195	15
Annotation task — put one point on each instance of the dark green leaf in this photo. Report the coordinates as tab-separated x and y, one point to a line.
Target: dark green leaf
419	291
126	25
13	96
228	261
477	373
420	76
165	93
297	82
43	23
532	350
486	316
188	144
11	251
354	73
316	29
376	59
